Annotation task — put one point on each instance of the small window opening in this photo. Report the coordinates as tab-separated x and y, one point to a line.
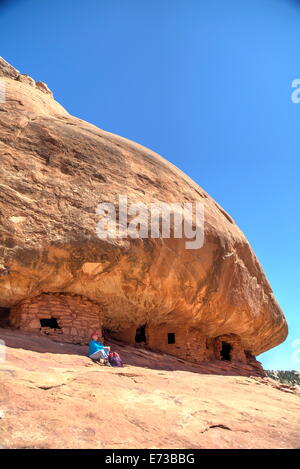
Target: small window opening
4	316
51	322
140	336
249	355
226	351
171	337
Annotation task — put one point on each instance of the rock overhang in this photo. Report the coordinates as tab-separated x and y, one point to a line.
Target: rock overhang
56	169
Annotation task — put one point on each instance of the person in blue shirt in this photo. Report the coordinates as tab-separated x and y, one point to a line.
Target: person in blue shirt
98	351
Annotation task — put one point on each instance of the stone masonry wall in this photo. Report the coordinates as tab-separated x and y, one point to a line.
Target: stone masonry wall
188	345
77	317
237	352
192	345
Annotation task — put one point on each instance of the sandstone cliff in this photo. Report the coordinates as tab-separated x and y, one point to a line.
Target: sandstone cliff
56	169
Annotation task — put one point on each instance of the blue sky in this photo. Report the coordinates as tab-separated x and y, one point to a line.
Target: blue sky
205	84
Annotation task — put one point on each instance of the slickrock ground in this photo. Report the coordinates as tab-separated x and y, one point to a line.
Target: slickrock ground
56	169
52	396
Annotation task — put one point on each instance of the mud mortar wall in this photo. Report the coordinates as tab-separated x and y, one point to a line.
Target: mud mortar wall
77	317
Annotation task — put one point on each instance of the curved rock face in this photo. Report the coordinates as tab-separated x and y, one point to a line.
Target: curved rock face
56	169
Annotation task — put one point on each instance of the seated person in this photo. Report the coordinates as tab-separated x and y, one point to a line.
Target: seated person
97	351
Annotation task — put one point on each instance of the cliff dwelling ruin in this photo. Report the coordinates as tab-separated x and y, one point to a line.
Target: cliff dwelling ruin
72	319
67	318
212	303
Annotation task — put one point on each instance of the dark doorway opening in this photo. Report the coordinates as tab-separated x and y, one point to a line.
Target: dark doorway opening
51	322
4	317
226	351
140	336
107	333
171	337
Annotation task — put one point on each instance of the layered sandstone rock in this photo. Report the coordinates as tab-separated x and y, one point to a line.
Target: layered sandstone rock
56	169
